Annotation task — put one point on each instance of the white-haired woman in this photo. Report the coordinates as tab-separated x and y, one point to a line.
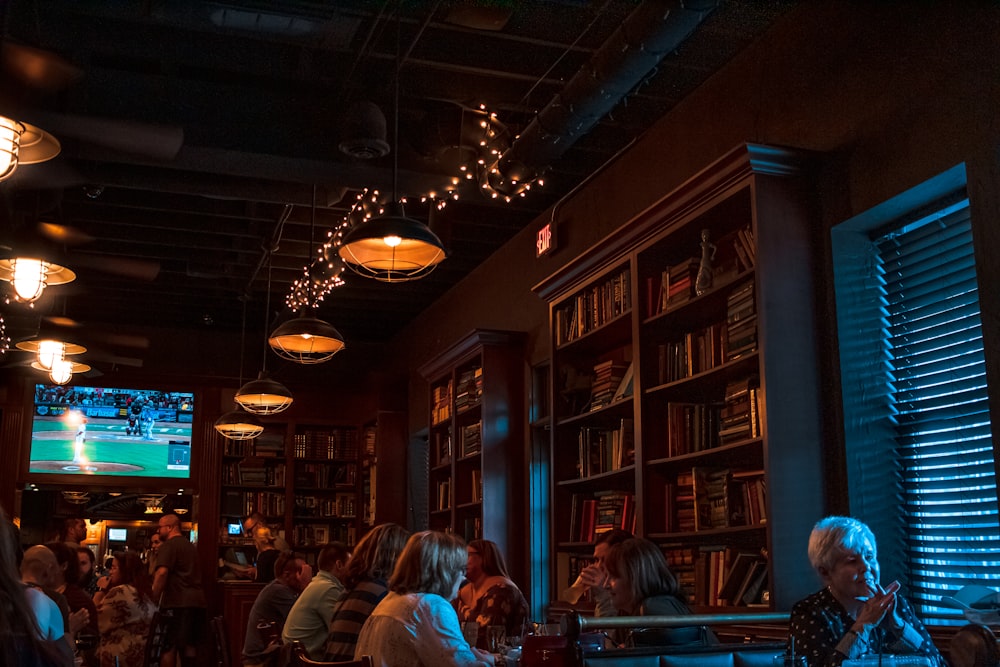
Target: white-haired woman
853	615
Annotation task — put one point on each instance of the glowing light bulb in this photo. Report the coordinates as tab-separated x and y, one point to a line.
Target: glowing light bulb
28	278
392	241
62	372
50	352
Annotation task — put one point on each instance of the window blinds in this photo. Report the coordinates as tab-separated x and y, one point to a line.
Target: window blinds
938	398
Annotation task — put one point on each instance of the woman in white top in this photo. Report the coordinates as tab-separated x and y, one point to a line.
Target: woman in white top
415	623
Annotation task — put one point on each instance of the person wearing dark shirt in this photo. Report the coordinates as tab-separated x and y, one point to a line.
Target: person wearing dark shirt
177	588
853	615
270	609
641	584
267	554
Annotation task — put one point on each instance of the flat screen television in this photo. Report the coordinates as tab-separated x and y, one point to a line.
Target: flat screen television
111	431
117	534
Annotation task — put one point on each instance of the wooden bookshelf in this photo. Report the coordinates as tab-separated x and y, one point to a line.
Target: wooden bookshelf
726	443
476	430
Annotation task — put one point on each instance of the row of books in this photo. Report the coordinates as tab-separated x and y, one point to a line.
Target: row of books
745	247
691	427
325	475
244	503
675	286
694	352
254	471
706	498
343	505
591	515
444	488
601	450
471	438
593	308
469	389
441	403
741	322
322	534
341	443
441	447
613	381
721	576
740	416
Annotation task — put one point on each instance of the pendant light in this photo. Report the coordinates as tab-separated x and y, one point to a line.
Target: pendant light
265	396
29	267
238	424
391	247
307	340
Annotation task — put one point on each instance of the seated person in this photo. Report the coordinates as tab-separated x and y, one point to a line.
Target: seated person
415	623
853	615
270	609
594	577
125	612
642	585
974	645
490	597
365	584
310	616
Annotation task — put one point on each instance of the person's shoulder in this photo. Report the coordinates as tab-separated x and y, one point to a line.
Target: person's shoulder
658	605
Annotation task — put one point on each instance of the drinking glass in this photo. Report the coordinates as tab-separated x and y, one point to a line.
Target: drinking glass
496	636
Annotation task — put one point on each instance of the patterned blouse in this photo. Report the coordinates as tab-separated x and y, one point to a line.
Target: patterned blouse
501	604
820	626
124	618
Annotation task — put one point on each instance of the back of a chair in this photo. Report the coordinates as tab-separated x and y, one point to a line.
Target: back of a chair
221	645
300	658
157	634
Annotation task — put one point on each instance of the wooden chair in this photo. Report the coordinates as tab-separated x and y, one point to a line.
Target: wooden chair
299	658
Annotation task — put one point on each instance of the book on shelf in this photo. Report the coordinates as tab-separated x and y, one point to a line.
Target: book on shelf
711	497
472	438
603	449
477	485
626	383
469	388
593	307
443	494
739	575
441	402
442	448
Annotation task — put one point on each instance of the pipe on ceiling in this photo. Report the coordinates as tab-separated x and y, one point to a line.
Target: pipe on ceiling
649	33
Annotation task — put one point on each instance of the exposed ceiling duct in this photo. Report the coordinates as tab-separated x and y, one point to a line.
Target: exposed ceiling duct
629	55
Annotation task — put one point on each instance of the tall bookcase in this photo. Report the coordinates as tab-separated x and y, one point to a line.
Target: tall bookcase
305	478
476	451
688	408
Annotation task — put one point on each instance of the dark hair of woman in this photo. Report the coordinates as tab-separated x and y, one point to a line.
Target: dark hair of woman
132	571
644	567
494	564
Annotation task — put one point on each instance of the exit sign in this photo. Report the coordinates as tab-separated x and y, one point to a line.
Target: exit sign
545	241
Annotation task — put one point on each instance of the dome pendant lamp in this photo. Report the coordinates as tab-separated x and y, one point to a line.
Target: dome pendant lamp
392	248
238	424
306	340
265	396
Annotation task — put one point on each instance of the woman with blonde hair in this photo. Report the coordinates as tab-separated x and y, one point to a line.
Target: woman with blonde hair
415	624
365	585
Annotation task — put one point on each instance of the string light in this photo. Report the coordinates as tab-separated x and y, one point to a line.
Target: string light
492	139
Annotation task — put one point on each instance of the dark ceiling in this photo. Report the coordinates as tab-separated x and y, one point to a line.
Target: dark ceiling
195	136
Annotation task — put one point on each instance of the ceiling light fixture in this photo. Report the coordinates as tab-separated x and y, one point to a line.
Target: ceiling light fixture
30	275
238	424
49	350
392	248
307	340
62	371
21	143
265	396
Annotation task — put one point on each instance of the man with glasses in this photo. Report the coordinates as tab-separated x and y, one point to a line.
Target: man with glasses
177	586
